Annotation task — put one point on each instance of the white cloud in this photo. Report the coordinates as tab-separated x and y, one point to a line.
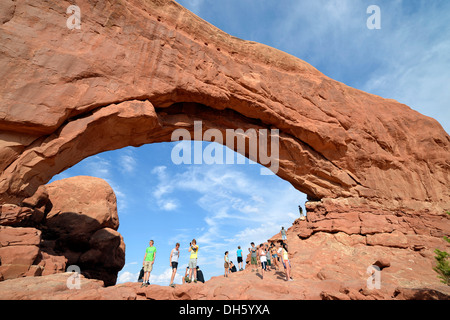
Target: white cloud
406	60
181	236
98	166
163	279
163	189
232	200
420	83
169	205
127	163
126	276
160	279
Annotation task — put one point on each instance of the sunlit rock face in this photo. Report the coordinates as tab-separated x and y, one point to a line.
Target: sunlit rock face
138	70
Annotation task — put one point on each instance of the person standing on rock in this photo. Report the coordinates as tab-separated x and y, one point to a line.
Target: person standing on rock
149	260
268	257
253	261
285	260
302	216
239	258
283	234
226	264
193	249
174	255
273	251
262	256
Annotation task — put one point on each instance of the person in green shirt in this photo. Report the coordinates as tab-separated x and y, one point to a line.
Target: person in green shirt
149	260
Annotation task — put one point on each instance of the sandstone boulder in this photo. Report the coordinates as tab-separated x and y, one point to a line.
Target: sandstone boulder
82	224
74	222
106	256
81	205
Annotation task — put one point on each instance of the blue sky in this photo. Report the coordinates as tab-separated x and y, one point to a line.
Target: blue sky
224	206
221	206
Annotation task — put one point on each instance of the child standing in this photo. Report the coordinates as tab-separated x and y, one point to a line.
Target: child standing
226	264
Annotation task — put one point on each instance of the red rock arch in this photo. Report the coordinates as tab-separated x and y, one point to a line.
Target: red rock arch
137	70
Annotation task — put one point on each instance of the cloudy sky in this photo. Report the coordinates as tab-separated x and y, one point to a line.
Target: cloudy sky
221	206
224	206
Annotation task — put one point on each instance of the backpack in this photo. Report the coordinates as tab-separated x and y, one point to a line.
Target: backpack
141	275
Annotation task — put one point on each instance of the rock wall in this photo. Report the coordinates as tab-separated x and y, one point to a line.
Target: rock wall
369	234
379	224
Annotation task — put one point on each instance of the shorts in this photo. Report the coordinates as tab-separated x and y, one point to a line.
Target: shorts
174	264
226	265
284	265
148	266
192	263
253	261
263	264
239	259
283	237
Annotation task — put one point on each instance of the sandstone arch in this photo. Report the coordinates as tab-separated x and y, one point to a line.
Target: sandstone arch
137	70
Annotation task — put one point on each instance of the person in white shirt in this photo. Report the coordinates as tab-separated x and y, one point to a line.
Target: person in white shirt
174	255
262	256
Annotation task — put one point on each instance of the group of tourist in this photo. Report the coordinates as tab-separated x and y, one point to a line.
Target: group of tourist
265	255
268	256
192	271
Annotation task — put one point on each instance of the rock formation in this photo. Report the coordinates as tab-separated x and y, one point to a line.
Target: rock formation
377	172
324	266
77	225
137	70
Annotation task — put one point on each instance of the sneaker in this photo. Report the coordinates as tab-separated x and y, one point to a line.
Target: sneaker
195	281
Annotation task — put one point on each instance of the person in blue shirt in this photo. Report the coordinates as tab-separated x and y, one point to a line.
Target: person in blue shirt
239	258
